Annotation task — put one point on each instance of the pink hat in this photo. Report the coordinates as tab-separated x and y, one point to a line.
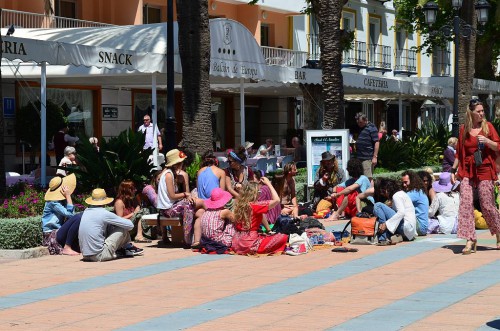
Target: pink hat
218	198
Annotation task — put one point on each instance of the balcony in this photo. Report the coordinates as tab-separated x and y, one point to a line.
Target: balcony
379	58
284	57
313	48
36	21
406	62
355	57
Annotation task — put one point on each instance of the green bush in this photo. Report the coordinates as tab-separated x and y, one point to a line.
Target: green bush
20	233
300	182
119	158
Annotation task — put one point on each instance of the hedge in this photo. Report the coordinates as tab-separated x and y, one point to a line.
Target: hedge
20	233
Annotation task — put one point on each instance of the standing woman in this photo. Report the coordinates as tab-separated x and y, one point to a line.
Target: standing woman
237	174
248	214
478	172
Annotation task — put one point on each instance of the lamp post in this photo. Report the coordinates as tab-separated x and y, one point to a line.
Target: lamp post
460	27
170	132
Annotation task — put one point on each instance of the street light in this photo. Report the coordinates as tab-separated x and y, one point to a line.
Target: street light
460	27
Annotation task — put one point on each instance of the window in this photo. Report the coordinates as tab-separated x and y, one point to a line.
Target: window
66	8
76	104
368	110
441	61
151	14
374	54
348	22
142	106
264	35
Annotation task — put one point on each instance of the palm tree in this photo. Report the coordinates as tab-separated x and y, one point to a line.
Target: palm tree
3	181
194	51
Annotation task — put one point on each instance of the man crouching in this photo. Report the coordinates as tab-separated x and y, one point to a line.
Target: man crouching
103	235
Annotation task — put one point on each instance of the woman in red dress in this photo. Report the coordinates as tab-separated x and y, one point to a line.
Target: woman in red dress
249	216
476	173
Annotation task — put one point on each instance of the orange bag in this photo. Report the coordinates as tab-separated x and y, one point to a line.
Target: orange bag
363	230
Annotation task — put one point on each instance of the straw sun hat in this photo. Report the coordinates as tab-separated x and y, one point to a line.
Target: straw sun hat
98	198
174	156
55	185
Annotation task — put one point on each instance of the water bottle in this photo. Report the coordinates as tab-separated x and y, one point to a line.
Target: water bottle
480	145
321	240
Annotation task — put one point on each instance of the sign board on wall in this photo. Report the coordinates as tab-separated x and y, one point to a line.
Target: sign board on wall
109	112
9	107
319	141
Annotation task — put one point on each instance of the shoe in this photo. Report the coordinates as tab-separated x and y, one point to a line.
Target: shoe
344	249
397	238
384	243
134	250
470	247
122	252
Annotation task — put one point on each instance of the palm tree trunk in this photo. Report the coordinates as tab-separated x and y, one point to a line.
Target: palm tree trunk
328	14
194	50
3	181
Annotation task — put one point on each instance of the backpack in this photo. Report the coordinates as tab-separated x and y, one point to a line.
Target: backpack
363	230
310	222
286	225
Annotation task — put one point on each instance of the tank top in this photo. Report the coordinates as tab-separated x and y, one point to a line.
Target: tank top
164	201
207	181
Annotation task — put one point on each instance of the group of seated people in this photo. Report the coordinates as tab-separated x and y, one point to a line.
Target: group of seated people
228	209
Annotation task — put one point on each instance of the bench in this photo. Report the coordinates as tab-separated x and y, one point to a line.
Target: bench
162	222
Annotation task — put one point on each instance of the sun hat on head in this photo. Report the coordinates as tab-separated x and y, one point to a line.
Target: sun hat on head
55	184
98	198
326	156
174	156
248	144
443	184
218	198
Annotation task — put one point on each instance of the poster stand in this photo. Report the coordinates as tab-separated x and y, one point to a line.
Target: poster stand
319	141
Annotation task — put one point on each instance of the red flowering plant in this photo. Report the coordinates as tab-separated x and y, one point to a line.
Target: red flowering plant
25	200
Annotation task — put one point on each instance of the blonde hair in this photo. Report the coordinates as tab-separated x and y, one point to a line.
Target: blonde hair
468	120
452	141
242	208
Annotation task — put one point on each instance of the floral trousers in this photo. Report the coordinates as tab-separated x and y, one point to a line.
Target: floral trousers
466	225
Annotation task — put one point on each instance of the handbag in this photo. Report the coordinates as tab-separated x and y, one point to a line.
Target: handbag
298	244
478	157
363	230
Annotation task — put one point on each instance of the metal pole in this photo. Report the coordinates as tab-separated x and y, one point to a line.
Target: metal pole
154	119
456	40
242	111
43	137
170	133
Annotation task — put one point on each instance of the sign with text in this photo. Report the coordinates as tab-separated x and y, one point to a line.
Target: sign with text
109	112
9	107
319	141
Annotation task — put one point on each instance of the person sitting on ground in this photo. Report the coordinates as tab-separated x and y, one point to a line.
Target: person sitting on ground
345	197
69	159
103	235
414	187
58	207
67	235
172	203
210	176
126	206
217	220
285	186
445	204
266	149
265	195
399	219
427	179
248	219
237	174
329	176
449	154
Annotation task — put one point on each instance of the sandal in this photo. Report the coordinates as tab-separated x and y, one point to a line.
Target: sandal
385	243
344	249
196	245
142	241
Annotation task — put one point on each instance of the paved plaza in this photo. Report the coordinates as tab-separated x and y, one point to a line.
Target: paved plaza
423	285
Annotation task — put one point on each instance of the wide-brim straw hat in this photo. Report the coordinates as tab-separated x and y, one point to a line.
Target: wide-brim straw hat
248	144
174	156
218	198
98	198
443	184
55	185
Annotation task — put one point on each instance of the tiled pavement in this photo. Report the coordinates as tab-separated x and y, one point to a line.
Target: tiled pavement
423	285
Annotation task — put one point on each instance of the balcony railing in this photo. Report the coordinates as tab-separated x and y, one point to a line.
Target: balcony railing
406	61
441	62
35	21
355	56
284	57
379	57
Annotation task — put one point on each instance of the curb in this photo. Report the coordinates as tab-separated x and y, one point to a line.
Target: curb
21	254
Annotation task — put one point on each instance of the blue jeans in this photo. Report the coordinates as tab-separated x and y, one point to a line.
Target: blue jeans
384	212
